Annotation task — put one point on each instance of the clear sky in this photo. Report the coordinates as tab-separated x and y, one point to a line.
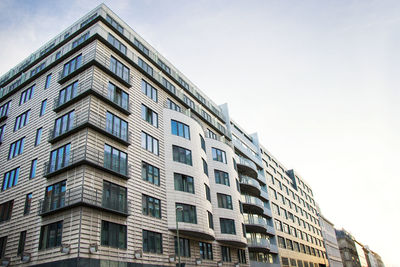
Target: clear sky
316	79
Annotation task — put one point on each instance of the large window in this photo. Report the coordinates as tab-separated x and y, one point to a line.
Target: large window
183	183
50	235
55	196
172	105
180	129
221	177
38	136
281	242
28	202
170	87
146	67
182	155
114	196
242	255
116	43
152	242
151	206
226	254
6	210
22	120
32	173
218	155
149	115
164	66
115	160
150	143
227	226
184	245
118	96
141	46
113	235
187	214
16	148
68	93
72	65
10	179
116	126
4	109
64	123
60	158
119	69
224	201
206	251
150	173
149	90
27	95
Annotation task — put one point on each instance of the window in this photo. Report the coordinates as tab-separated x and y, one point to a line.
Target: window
116	43
203	143
149	115
226	254
187	214
67	93
116	126
275	209
205	115
115	159
224	201
281	242
21	243
221	177
237	185
206	251
4	109
64	124
48	80
28	201
286	228
10	179
183	83
115	24
151	206
72	65
43	108
242	255
149	143
164	66
59	158
22	120
113	235
6	210
119	69
227	226
32	173
118	96
55	196
180	129
16	148
152	242
144	66
240	207
50	235
296	246
218	155
80	40
184	246
38	136
149	90
3	243
205	167
278	225
210	220
171	105
170	87
27	95
289	244
189	102
150	173
183	183
141	46
208	193
114	197
2	130
182	155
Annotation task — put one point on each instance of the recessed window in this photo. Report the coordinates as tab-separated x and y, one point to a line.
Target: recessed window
208	193
210	220
151	206
149	115
59	158
10	179
116	126
28	202
119	69
150	173
115	24
48	81
50	235
67	93
242	255
224	201
6	210
64	124
55	196
170	87
38	136
32	173
226	254
218	155
27	95
221	177
203	143
206	251
72	65
4	109
141	46
183	183
180	129
205	167
144	66
22	120
114	197
2	130
164	66
16	148
118	96
227	226
152	242
113	235
187	214
116	43
150	143
21	243
182	155
115	159
184	246
43	108
149	90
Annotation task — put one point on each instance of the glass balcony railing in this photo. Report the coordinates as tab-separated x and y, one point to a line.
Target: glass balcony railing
246	199
82	196
259	243
255	219
246	180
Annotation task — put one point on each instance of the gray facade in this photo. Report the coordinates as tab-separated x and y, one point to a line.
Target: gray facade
330	242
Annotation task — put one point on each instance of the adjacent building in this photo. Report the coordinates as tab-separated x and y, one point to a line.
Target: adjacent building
330	242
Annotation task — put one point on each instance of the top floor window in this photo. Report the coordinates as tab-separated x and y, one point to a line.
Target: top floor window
119	69
183	83
172	105
164	66
27	94
4	109
141	46
115	24
72	65
218	155
116	43
146	67
180	129
168	85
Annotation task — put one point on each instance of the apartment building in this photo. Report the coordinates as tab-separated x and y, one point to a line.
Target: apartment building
347	247
109	153
330	242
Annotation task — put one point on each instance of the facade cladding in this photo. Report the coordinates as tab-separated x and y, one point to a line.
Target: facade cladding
330	242
106	148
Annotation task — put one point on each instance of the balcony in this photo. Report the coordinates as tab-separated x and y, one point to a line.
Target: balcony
96	88
258	244
89	156
93	121
81	196
255	223
252	204
246	167
250	185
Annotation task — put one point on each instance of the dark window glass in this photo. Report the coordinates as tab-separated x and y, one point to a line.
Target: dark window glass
152	242
210	220
150	173
113	235
187	214
72	65
150	143
60	158
226	254
21	243
116	43
28	201
151	206
184	246
170	87
183	183
203	143
67	93
64	124
182	155
218	155
3	244
221	177
224	201
115	160
115	24
118	96
206	251
43	108
208	193
141	46
119	69
242	256
149	115
205	167
164	66
50	235
116	126
227	226
146	67
6	210
172	105
114	197
149	90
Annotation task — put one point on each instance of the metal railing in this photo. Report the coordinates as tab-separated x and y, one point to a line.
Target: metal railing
90	155
81	195
92	118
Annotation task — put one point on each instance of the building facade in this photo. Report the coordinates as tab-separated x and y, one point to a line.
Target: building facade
108	151
330	242
347	248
